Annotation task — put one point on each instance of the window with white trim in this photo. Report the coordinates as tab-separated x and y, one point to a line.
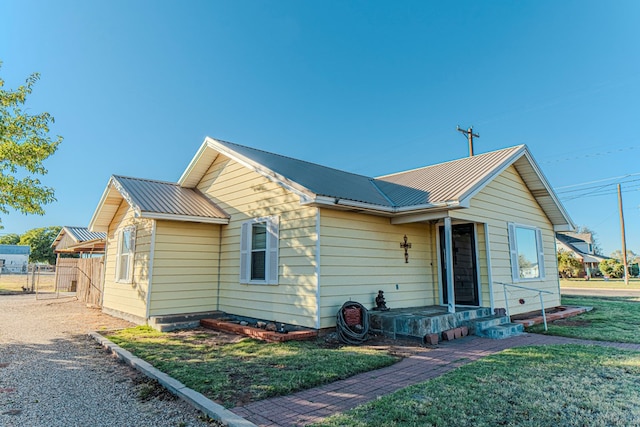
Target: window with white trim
527	252
259	251
126	249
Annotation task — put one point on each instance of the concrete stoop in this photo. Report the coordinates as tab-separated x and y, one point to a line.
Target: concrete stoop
421	322
431	323
174	322
497	327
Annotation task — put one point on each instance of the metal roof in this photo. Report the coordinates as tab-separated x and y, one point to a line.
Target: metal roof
444	182
320	180
443	186
82	234
15	250
157	200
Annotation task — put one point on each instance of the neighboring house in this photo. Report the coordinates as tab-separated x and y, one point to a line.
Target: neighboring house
79	240
261	235
82	272
14	258
581	246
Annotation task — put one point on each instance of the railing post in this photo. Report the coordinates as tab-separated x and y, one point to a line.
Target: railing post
506	301
544	315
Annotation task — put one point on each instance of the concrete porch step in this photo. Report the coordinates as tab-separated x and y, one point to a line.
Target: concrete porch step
418	322
172	322
487	322
501	331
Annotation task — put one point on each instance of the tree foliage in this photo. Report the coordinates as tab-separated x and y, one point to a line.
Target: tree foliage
631	256
611	267
40	240
10	239
568	264
24	144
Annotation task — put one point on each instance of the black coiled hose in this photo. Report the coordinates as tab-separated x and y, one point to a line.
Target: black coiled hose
351	334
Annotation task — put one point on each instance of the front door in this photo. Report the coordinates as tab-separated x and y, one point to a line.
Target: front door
465	272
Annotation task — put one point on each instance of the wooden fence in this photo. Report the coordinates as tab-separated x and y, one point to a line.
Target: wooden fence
82	275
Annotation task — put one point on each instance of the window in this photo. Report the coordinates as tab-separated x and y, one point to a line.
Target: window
527	254
259	251
124	261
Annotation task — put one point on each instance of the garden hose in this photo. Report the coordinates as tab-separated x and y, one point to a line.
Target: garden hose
353	335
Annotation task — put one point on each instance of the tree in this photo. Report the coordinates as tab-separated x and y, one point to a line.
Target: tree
631	256
40	240
9	239
568	264
611	267
24	145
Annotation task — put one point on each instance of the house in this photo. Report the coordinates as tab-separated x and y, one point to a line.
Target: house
261	235
14	259
580	245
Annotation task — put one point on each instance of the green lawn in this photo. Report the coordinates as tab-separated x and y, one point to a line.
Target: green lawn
247	370
531	386
612	319
600	284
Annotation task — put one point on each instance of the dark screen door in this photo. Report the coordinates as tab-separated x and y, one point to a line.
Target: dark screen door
465	277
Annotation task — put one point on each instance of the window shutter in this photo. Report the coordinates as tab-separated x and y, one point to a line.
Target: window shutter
540	253
245	239
513	249
273	225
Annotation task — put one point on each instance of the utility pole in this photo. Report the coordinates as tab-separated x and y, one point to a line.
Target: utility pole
624	240
470	135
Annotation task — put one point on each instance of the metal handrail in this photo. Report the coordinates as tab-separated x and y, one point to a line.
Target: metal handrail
539	291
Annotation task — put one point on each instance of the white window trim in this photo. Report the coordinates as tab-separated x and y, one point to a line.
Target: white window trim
132	251
271	255
513	249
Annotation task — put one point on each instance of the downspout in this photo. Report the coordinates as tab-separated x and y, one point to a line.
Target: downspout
219	267
150	268
317	268
487	249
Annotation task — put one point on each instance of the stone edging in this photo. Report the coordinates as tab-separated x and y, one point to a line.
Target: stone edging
199	401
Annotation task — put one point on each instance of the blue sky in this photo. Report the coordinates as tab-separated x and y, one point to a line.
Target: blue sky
372	87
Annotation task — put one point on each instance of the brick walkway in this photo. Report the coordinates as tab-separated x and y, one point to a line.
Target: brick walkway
312	405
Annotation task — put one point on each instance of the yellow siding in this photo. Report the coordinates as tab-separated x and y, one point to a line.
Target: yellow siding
507	199
185	268
245	194
128	298
361	254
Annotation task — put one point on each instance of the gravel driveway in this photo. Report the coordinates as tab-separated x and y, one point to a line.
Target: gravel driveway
52	374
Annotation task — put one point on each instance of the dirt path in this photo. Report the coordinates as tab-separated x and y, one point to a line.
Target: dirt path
52	374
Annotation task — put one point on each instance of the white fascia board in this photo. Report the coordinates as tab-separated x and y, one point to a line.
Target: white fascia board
427	216
337	203
564	227
552	194
184	218
301	191
92	224
194	162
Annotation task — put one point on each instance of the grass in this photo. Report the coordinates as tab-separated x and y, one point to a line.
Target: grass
612	319
600	284
565	385
247	370
13	283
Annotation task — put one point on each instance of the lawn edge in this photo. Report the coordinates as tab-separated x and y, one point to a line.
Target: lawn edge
175	387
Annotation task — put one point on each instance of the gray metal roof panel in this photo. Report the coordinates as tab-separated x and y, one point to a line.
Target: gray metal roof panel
15	249
443	182
321	180
168	198
82	234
